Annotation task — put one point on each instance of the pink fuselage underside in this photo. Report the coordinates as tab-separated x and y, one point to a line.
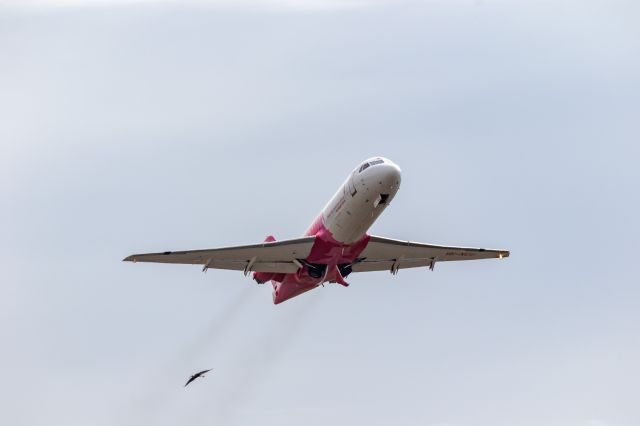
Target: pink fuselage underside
326	250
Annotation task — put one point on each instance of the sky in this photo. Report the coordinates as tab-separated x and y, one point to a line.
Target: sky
136	126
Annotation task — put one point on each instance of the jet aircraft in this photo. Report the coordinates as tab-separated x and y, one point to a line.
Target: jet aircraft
334	246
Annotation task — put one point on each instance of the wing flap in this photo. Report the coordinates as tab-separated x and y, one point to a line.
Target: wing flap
387	265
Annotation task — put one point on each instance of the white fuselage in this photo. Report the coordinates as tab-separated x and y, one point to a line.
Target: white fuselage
360	200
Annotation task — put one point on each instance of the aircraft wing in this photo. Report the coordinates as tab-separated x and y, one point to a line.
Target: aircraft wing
276	256
386	254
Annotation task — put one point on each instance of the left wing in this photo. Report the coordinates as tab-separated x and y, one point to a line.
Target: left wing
386	254
276	256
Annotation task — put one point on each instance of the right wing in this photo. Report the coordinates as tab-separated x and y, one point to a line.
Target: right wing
276	256
384	254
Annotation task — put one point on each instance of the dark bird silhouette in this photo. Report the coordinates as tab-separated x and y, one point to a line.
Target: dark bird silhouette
195	376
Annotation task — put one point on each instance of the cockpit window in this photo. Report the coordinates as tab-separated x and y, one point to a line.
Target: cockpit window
365	166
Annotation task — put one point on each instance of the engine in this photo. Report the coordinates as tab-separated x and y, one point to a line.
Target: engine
314	270
345	269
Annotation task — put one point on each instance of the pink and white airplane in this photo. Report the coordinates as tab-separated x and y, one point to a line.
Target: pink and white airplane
335	245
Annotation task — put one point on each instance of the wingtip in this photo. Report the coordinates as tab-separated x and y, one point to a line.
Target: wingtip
129	259
504	253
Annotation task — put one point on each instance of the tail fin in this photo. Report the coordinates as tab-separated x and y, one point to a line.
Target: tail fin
269	239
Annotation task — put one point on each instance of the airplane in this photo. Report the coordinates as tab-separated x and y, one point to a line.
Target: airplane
334	246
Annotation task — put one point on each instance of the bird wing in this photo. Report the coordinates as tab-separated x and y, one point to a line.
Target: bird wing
195	376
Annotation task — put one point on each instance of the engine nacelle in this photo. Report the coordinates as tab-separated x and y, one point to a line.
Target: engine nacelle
345	269
311	273
315	270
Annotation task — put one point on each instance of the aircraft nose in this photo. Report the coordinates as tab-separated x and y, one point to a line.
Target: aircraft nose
392	175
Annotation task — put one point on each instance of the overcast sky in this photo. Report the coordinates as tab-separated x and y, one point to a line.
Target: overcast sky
134	126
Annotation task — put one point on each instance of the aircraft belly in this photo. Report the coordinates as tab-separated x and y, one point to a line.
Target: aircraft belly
290	287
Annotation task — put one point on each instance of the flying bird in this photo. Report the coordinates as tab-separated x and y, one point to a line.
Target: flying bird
195	376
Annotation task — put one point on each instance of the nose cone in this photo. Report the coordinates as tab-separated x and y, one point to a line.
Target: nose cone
381	170
390	174
393	174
